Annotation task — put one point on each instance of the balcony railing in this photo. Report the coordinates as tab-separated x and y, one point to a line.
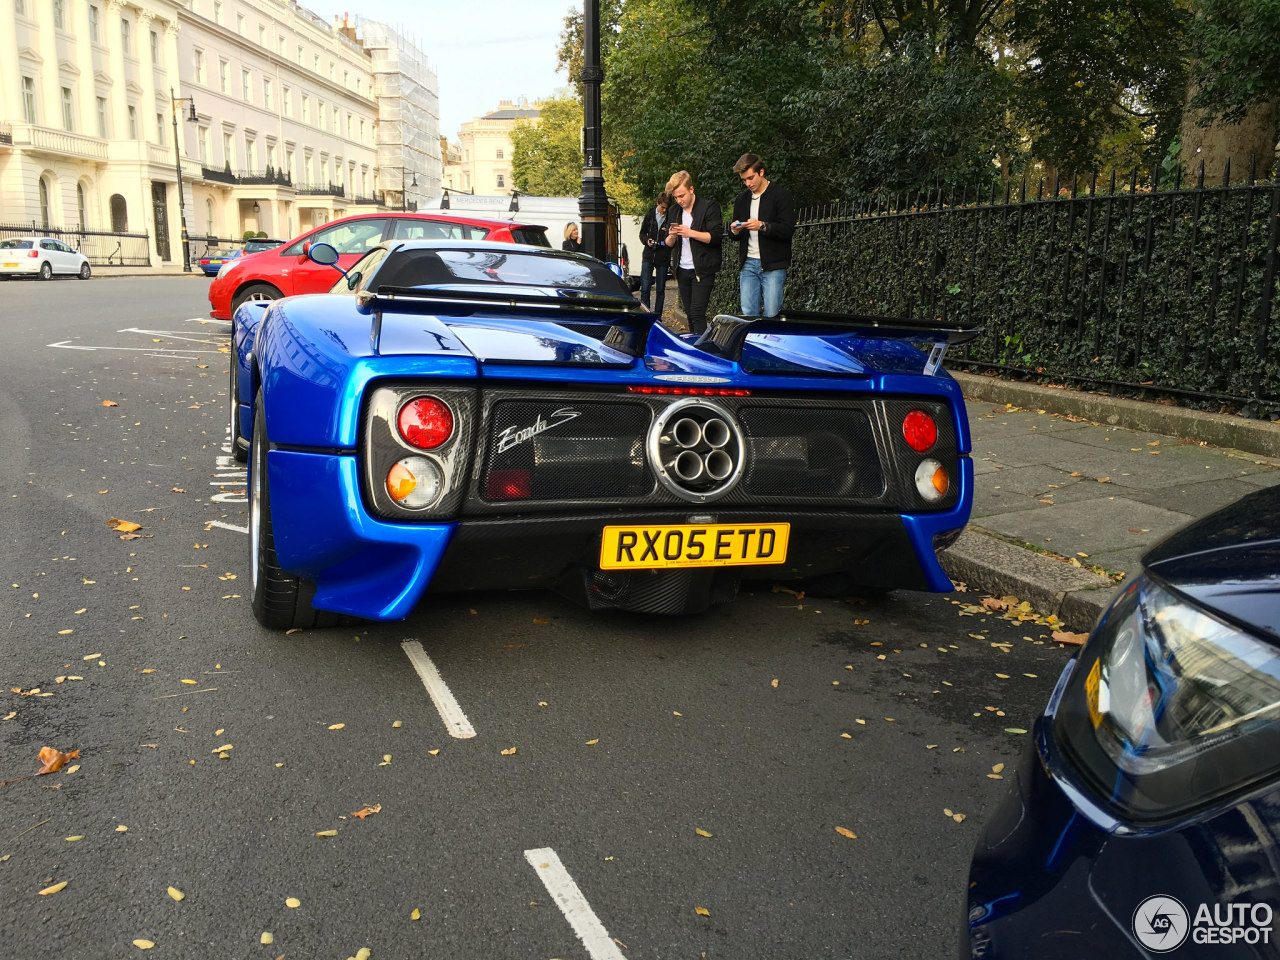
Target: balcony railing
218	176
6	134
60	142
276	178
264	177
320	189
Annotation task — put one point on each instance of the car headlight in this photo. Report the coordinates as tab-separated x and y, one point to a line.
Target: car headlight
225	267
1170	708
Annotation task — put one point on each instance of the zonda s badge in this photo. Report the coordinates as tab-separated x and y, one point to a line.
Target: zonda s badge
512	436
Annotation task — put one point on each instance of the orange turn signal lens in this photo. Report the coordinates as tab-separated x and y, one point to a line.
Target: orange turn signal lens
941	482
400	482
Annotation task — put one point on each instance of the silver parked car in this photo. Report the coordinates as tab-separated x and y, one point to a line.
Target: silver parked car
41	257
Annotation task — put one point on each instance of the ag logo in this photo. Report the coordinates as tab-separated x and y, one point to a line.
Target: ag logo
1160	923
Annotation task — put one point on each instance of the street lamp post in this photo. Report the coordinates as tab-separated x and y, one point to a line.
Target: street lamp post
177	164
404	198
593	205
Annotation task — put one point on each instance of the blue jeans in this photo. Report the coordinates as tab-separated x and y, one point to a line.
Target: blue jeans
647	268
755	284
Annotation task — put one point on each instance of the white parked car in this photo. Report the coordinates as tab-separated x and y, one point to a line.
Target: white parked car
41	257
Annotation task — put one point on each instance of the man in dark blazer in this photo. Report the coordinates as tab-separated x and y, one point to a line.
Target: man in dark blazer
694	237
657	255
764	218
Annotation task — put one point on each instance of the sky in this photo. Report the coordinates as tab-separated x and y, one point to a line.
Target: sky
482	53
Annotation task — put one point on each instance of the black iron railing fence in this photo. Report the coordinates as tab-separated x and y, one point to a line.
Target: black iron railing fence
1170	291
320	189
101	247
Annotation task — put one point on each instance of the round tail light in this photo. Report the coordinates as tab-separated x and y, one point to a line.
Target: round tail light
919	430
425	423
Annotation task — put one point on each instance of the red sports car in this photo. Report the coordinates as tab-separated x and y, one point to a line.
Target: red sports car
285	271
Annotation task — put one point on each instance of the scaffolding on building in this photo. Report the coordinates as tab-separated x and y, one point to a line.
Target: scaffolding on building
407	93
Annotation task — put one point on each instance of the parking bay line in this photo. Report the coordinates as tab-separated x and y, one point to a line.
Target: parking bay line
455	720
574	906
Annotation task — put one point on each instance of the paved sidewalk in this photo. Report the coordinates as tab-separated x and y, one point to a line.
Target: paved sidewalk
1101	493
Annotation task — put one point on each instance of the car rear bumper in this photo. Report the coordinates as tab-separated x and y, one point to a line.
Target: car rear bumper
20	268
379	570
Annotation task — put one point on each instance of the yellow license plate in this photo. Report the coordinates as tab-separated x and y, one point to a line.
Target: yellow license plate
11	265
693	545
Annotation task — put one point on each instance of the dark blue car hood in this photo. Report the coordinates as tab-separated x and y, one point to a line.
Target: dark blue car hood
1229	561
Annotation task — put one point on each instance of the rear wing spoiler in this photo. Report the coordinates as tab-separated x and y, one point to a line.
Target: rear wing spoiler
574	304
726	334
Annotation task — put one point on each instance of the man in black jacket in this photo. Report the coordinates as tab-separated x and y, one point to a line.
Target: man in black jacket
764	218
657	255
694	236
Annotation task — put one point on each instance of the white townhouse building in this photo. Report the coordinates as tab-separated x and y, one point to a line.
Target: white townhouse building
277	120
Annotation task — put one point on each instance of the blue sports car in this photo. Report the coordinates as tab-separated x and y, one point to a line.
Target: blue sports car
459	416
1145	817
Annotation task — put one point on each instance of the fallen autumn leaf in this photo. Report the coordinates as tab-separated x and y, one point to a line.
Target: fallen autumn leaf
52	761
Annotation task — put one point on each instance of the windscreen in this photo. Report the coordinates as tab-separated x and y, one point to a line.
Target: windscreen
417	268
531	236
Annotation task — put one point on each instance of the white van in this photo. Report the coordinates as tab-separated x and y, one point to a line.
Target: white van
622	241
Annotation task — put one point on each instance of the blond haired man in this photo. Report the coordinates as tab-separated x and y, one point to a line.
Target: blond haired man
694	236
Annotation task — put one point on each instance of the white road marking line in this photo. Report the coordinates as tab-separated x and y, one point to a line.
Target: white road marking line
573	904
227	526
150	351
172	335
455	720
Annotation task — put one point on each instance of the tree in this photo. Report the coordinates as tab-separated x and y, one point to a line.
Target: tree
1233	91
546	156
1098	75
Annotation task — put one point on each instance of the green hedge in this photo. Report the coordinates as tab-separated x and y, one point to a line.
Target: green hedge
1170	292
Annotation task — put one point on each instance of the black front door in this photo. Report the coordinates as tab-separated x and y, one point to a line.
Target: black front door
159	201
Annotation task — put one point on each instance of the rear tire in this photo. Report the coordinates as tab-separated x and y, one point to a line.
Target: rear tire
254	291
281	601
46	271
85	271
239	445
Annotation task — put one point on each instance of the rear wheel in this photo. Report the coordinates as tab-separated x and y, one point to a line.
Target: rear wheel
254	291
85	271
239	445
281	601
46	271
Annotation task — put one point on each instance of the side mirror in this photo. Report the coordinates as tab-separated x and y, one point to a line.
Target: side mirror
324	254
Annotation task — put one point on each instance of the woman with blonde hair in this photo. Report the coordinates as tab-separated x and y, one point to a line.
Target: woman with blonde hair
571	241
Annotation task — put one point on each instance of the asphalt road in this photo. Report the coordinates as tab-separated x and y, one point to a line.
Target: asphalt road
635	787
